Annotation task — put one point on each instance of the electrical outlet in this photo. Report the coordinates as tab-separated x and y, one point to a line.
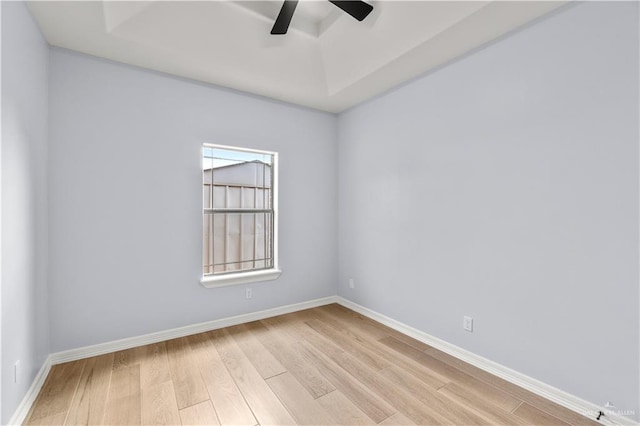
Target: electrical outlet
467	324
352	283
16	371
248	294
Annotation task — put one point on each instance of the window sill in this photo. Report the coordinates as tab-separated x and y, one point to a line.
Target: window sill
240	278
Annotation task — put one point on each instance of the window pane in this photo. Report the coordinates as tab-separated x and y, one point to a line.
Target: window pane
236	241
243	241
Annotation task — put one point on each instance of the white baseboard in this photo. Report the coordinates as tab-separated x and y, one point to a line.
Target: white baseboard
544	390
549	392
117	345
21	412
146	339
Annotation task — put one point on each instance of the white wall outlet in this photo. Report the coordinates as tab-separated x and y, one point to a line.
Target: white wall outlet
467	324
352	283
16	372
248	294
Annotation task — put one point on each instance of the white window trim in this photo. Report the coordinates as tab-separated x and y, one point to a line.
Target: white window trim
255	276
234	278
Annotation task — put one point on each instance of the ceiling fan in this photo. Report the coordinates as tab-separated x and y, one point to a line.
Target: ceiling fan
356	8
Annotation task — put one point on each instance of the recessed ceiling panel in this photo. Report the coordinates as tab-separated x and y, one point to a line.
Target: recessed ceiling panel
327	60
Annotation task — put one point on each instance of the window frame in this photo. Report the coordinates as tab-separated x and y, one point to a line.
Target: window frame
251	276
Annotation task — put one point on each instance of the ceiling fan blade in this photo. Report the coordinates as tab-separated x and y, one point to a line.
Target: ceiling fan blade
284	17
356	8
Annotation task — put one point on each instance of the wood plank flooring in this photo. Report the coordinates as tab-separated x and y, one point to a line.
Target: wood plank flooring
322	366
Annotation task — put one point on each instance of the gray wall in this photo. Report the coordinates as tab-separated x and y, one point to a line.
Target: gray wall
505	187
25	334
125	189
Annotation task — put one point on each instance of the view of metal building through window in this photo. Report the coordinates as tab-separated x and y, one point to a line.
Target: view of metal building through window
238	210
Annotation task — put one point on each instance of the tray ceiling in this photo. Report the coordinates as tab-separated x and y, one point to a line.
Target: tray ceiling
327	61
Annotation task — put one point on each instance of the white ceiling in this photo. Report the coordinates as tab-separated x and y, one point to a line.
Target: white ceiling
327	61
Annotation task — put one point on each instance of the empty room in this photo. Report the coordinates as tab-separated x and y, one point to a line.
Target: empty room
319	212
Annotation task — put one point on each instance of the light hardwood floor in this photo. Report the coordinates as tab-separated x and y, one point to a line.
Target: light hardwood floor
326	365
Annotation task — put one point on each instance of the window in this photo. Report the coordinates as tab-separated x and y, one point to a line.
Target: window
239	216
